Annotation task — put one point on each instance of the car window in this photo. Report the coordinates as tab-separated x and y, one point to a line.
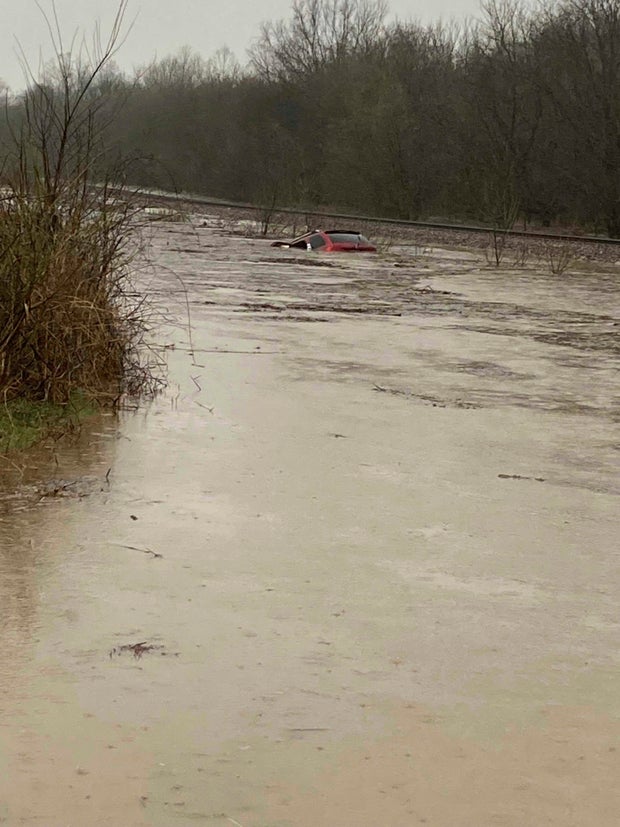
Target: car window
317	241
348	238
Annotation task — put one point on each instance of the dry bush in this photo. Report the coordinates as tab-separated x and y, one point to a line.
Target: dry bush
522	253
494	251
559	256
69	320
383	236
276	223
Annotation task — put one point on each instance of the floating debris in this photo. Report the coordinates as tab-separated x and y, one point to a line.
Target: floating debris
520	477
137	649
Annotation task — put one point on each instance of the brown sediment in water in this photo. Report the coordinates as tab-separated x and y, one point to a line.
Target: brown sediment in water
380	558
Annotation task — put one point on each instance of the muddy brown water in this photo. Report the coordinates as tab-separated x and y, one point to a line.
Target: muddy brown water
357	567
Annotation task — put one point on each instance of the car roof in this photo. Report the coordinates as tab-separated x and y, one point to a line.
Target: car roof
318	230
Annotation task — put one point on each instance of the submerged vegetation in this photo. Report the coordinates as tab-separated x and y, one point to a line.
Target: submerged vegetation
24	423
70	325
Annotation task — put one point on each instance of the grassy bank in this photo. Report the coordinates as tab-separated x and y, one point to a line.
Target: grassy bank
24	423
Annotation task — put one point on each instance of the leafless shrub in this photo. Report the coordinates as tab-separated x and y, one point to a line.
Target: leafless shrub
266	215
494	251
559	256
273	222
521	254
383	236
69	318
501	207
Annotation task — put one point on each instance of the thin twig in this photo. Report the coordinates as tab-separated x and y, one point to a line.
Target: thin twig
137	548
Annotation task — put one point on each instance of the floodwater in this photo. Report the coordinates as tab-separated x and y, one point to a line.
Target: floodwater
367	542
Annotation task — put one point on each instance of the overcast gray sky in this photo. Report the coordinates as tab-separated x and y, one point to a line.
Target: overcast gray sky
163	26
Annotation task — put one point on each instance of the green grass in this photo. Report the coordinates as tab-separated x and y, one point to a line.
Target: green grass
24	423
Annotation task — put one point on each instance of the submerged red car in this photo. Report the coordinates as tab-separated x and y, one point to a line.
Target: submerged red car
330	241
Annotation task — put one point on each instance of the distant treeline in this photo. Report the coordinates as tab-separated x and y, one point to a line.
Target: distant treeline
512	118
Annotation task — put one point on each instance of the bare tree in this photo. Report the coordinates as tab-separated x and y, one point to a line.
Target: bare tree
515	116
183	70
319	32
508	107
578	66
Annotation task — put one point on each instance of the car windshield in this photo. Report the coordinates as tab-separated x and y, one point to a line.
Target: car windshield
348	238
300	240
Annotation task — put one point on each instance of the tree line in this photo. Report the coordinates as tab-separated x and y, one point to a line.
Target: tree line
511	118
